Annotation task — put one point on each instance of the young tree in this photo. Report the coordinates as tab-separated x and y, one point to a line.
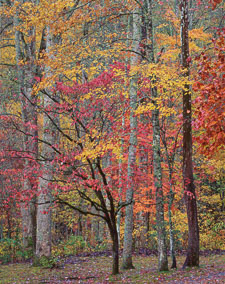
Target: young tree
85	170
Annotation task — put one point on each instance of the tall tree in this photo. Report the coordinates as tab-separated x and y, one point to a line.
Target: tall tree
192	258
25	43
44	200
127	244
157	169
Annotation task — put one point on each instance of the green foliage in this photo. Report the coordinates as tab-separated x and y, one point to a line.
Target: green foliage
76	244
12	250
9	249
4	251
212	214
152	237
45	262
25	253
72	246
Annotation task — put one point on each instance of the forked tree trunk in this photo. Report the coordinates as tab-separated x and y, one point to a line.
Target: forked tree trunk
128	231
170	162
192	258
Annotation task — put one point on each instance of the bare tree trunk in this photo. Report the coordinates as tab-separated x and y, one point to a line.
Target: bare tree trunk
189	188
127	245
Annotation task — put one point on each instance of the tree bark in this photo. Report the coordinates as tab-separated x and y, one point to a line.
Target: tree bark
26	72
170	161
119	215
44	201
171	231
115	248
192	258
161	232
127	244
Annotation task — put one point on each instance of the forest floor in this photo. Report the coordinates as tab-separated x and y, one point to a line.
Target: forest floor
97	269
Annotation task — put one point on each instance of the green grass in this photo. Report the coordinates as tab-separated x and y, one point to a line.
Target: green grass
98	270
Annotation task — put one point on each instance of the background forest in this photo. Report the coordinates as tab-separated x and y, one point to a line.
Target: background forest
111	129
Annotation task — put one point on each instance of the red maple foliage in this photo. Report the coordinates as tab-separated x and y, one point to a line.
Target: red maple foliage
210	103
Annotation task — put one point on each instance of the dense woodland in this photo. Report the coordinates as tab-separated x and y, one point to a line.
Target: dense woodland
112	118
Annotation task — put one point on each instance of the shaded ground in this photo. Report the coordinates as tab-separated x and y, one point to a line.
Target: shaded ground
97	269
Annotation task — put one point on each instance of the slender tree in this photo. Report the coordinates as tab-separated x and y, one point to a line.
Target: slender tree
127	245
157	169
170	161
119	215
192	258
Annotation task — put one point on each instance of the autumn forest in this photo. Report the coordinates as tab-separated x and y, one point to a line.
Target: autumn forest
112	131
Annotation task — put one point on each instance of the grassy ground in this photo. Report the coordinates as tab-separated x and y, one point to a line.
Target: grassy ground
98	270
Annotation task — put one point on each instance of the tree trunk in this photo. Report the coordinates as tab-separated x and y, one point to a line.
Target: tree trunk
44	209
1	229
28	224
115	250
26	73
119	215
127	244
192	258
161	232
172	250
